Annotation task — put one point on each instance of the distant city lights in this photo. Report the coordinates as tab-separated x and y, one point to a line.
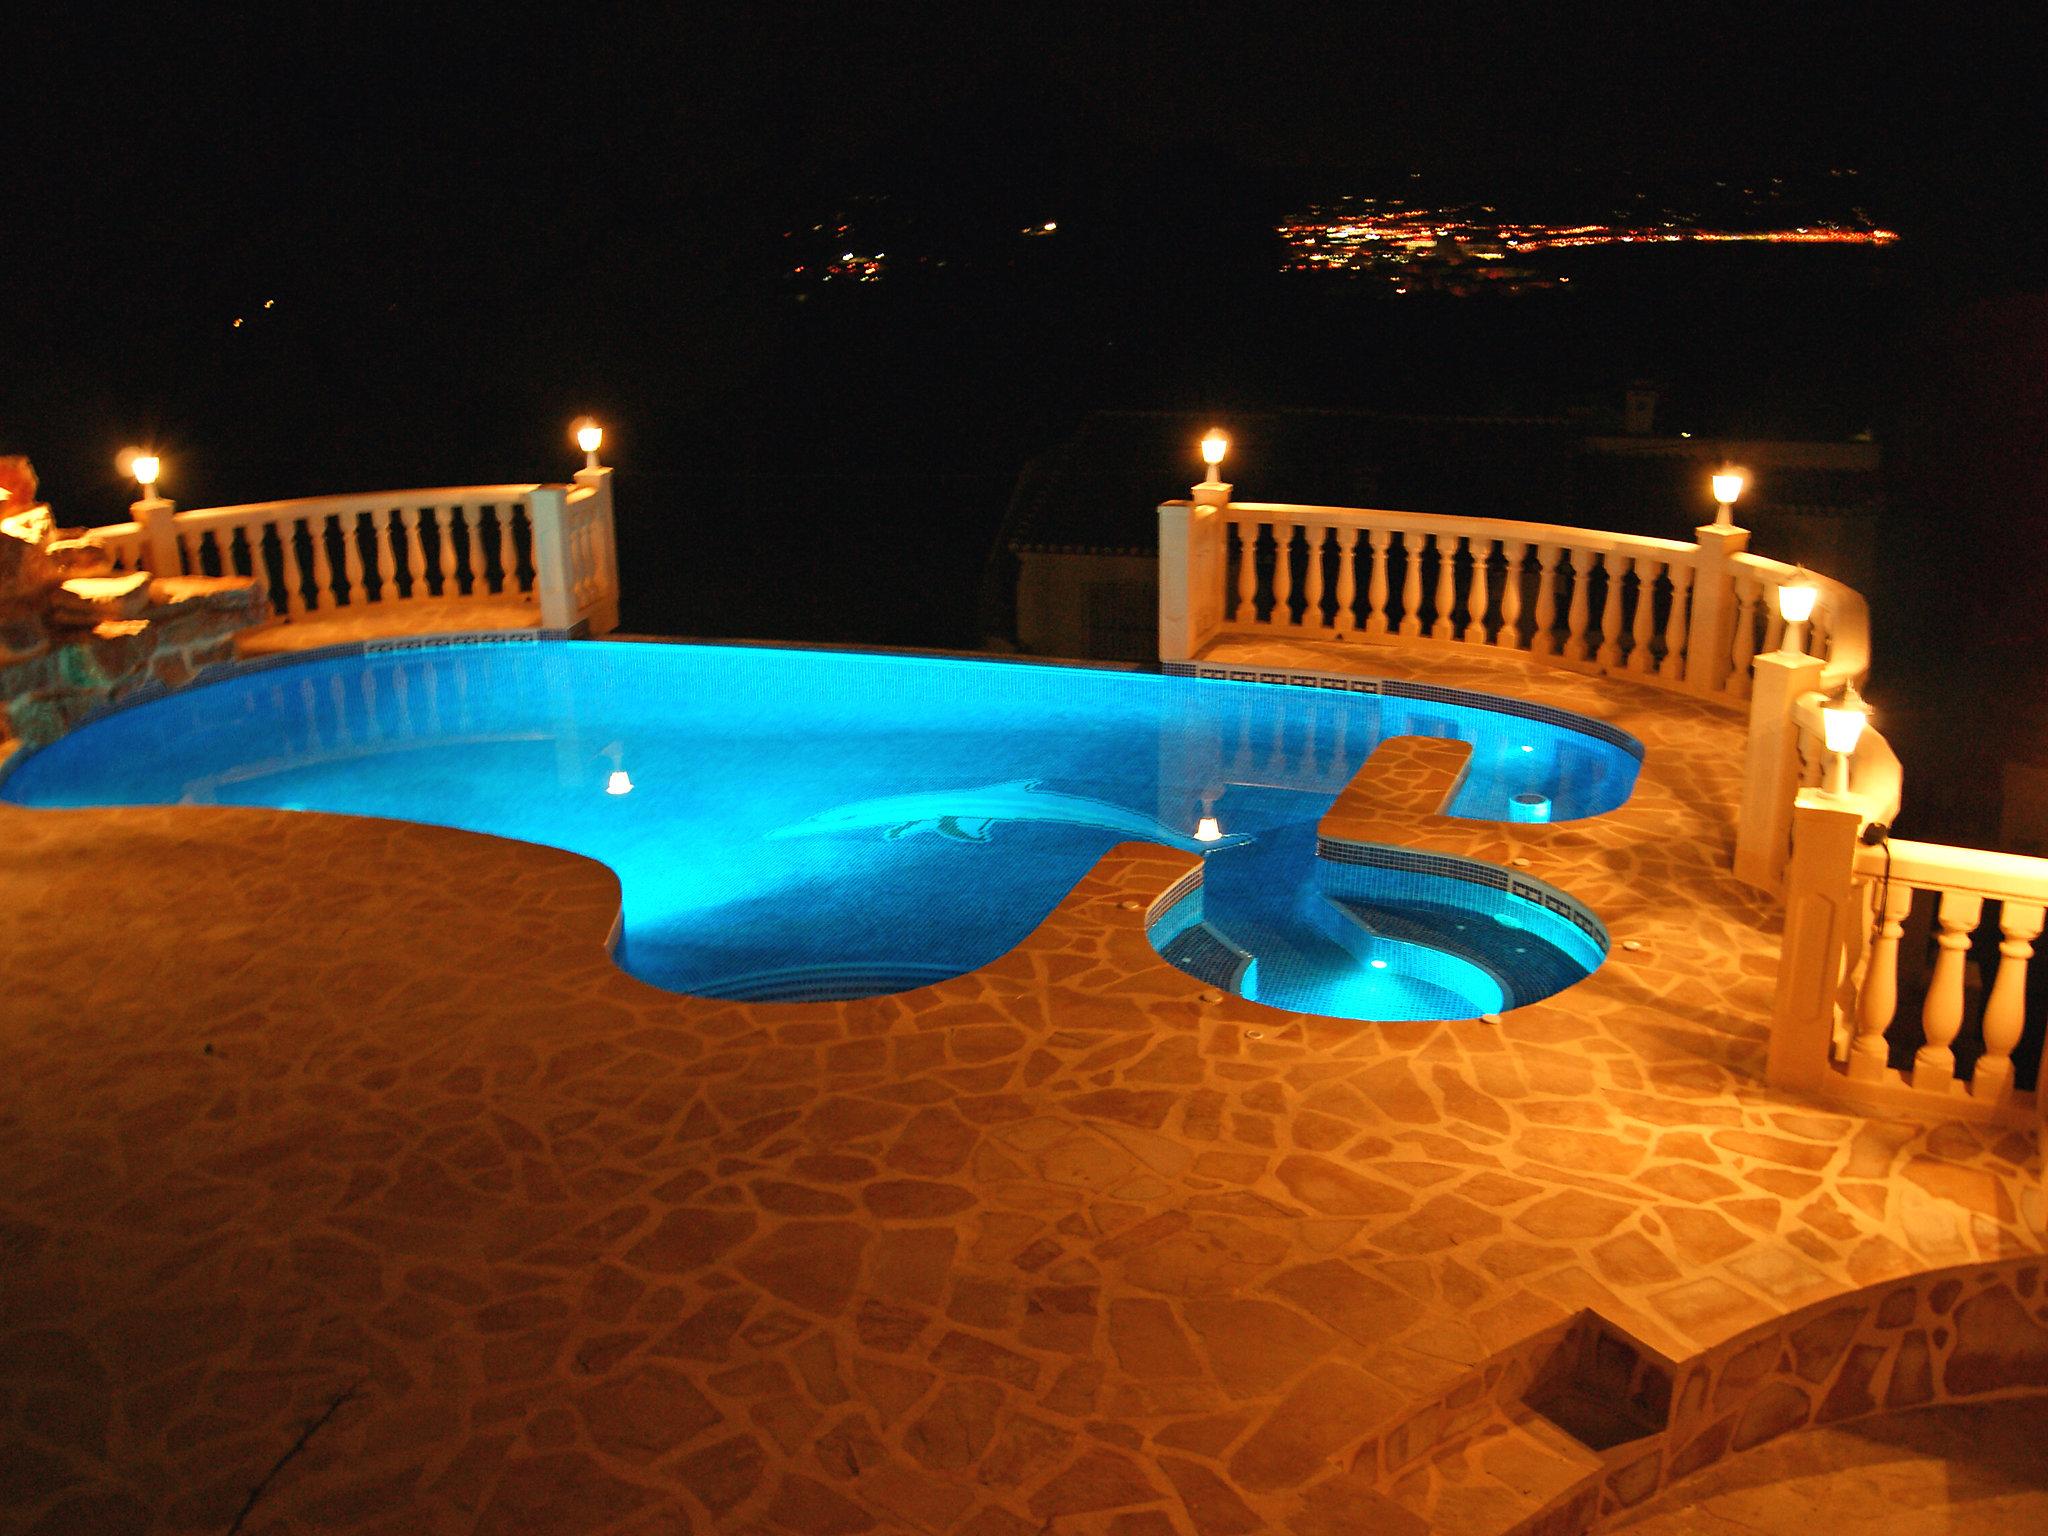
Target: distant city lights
1369	235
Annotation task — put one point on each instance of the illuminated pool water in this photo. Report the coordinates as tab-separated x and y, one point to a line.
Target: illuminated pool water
810	824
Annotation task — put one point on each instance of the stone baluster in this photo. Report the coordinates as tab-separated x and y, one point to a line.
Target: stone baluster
501	545
1877	1001
1283	572
323	564
1345	620
1615	564
1577	645
352	557
291	565
1641	627
1247	573
1312	576
1513	552
1444	626
2019	924
1743	654
1934	1064
1774	623
1411	584
1380	539
1673	665
1478	599
417	583
1544	641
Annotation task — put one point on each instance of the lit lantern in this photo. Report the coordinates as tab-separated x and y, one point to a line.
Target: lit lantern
1795	606
1214	446
589	437
618	783
1208	831
1729	482
1841	725
144	467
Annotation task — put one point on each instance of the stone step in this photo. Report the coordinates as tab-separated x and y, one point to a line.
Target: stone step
1518	1474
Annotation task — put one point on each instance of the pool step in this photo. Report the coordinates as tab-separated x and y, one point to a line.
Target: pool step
1518	1474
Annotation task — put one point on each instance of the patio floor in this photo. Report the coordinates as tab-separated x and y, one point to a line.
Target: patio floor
382	621
354	1190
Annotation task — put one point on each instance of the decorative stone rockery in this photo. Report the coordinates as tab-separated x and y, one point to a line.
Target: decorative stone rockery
105	637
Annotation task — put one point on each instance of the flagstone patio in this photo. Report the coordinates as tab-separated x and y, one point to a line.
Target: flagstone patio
354	1189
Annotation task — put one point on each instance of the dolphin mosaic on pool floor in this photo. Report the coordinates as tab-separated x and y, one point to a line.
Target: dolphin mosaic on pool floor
353	1189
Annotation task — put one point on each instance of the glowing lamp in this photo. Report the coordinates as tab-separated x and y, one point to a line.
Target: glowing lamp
618	783
1841	725
145	467
1728	485
1795	606
589	437
1796	599
1207	830
1214	446
1529	807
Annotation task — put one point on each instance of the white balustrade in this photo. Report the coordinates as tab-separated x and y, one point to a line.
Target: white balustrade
1837	894
322	554
1653	606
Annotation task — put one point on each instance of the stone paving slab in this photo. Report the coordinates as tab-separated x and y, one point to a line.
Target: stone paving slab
380	621
323	1120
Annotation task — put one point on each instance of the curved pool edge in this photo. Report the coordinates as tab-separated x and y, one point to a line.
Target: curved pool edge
154	691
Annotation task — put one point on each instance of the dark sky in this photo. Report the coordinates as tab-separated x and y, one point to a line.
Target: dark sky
224	134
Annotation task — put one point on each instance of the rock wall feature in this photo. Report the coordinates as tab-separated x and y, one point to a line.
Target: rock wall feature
98	646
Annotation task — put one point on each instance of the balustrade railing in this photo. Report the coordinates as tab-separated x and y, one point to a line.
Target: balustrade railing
1905	971
1663	611
548	545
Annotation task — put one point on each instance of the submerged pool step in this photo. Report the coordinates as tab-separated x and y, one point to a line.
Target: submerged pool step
824	983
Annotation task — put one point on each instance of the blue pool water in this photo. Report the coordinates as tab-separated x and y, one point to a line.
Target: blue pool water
805	824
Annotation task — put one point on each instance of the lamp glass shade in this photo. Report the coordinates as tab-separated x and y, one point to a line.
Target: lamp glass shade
145	468
1796	600
590	437
618	783
1842	725
1728	484
1214	446
1207	831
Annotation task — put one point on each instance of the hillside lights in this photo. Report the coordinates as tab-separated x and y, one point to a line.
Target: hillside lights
589	437
1795	606
1214	446
1729	483
1841	725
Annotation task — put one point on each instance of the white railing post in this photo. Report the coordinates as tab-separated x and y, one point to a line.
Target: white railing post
1770	766
1821	909
2019	924
157	518
1711	626
547	514
1191	571
604	614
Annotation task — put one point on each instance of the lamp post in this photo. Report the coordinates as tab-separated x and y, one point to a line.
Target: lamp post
589	437
151	512
1729	483
1214	446
1795	606
1841	725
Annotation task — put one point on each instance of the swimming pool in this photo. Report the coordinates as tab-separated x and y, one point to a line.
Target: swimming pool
791	824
